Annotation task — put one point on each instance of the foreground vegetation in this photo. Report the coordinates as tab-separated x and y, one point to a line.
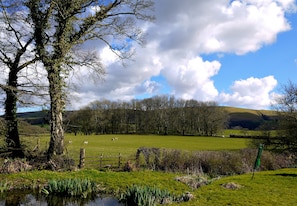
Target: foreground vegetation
266	188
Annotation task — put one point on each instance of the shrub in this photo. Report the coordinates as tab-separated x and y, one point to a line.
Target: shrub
14	165
217	163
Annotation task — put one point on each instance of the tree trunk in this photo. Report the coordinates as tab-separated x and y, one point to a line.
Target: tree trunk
12	134
56	146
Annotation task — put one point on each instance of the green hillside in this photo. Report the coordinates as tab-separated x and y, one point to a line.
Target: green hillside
250	119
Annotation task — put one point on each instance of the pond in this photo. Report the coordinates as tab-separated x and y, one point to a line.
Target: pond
25	198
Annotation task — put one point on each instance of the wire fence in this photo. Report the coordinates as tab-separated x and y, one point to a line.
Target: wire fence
102	161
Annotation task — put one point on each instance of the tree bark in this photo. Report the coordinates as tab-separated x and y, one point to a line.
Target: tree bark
12	134
56	146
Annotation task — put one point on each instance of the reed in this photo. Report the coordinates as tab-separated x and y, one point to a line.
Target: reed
3	186
137	195
70	187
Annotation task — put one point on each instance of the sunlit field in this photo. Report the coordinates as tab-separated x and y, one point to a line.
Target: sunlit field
127	145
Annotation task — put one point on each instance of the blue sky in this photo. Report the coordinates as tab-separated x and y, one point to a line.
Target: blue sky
277	59
237	53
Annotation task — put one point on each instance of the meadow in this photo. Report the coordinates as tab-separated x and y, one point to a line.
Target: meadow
127	145
278	187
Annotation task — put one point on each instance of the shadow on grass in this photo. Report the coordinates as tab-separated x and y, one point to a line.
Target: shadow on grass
286	175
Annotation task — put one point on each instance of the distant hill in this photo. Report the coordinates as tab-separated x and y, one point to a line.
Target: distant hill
34	118
238	117
250	119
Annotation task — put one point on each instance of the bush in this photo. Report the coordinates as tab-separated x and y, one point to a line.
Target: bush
217	163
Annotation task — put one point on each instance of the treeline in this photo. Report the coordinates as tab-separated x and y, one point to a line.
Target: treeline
156	115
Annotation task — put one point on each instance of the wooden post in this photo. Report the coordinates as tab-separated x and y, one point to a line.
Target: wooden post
100	161
82	156
38	144
119	160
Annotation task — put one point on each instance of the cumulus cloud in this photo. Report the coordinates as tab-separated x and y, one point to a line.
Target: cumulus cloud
191	79
181	34
256	93
219	26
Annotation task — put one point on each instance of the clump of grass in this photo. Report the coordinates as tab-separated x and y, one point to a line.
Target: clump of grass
70	187
3	186
137	195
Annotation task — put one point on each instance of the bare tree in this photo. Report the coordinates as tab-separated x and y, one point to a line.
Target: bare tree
15	56
59	26
286	107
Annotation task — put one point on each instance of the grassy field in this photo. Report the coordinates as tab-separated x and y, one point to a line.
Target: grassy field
127	145
266	188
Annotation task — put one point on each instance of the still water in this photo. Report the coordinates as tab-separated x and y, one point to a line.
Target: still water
27	198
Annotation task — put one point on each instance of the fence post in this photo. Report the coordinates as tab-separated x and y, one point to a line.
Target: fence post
38	144
100	161
119	164
82	156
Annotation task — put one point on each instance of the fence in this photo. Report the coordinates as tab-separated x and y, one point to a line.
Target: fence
101	161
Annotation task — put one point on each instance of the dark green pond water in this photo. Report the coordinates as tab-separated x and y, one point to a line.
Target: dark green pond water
26	198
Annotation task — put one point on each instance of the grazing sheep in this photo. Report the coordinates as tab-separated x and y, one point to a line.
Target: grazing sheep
86	142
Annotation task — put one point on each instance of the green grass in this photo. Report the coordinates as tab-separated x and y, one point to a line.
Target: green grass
267	188
243	132
127	145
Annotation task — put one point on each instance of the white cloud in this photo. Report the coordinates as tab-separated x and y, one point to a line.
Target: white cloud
256	93
182	32
219	26
192	78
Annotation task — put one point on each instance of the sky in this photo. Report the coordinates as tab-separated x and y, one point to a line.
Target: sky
238	53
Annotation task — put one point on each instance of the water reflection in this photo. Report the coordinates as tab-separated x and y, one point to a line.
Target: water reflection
26	198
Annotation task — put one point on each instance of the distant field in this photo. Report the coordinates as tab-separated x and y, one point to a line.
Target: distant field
127	145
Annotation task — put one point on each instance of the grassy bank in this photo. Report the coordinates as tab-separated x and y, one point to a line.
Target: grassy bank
266	188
